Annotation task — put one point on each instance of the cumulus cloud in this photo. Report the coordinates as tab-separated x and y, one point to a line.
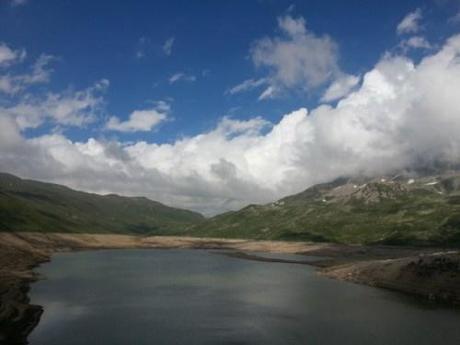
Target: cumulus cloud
402	115
31	110
410	23
168	45
300	58
180	76
69	108
296	59
139	120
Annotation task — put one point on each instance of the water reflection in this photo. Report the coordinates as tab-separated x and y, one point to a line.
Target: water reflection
198	297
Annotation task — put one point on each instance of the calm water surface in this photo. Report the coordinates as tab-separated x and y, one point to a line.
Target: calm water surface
136	297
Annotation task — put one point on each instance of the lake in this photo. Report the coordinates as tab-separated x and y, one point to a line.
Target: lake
137	297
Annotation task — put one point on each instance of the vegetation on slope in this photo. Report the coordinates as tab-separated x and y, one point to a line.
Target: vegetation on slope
396	211
27	205
399	210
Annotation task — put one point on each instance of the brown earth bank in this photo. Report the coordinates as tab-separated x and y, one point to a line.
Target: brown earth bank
430	273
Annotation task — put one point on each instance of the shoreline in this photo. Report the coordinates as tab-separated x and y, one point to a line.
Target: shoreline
430	273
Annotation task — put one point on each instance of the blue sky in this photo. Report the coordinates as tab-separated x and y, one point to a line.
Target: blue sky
93	40
122	74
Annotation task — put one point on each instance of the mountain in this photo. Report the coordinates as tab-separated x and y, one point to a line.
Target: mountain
400	209
27	205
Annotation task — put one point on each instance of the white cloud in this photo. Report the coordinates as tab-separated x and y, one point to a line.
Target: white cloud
291	26
162	106
229	127
168	45
9	56
31	110
70	108
268	93
415	42
297	59
402	115
410	23
76	108
40	73
139	120
246	85
340	88
7	85
180	76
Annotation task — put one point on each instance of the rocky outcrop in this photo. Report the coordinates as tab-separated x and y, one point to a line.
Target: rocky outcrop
18	317
434	276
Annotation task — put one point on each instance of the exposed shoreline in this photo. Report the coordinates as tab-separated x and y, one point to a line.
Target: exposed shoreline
428	273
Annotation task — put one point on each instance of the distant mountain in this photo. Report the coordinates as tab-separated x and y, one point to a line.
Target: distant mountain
27	205
400	209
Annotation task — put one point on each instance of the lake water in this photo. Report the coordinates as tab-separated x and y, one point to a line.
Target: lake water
137	297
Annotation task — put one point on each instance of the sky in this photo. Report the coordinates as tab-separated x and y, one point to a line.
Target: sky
214	105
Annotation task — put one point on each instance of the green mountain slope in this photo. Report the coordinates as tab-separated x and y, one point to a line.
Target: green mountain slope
27	205
398	210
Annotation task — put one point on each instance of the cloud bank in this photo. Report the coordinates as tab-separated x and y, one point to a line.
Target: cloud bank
401	114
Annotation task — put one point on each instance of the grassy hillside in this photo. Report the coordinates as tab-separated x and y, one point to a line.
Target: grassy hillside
398	210
35	206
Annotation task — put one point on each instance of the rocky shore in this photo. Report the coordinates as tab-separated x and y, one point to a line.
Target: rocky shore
17	317
432	276
428	273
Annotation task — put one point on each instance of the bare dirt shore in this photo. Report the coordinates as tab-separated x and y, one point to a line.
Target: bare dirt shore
428	273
